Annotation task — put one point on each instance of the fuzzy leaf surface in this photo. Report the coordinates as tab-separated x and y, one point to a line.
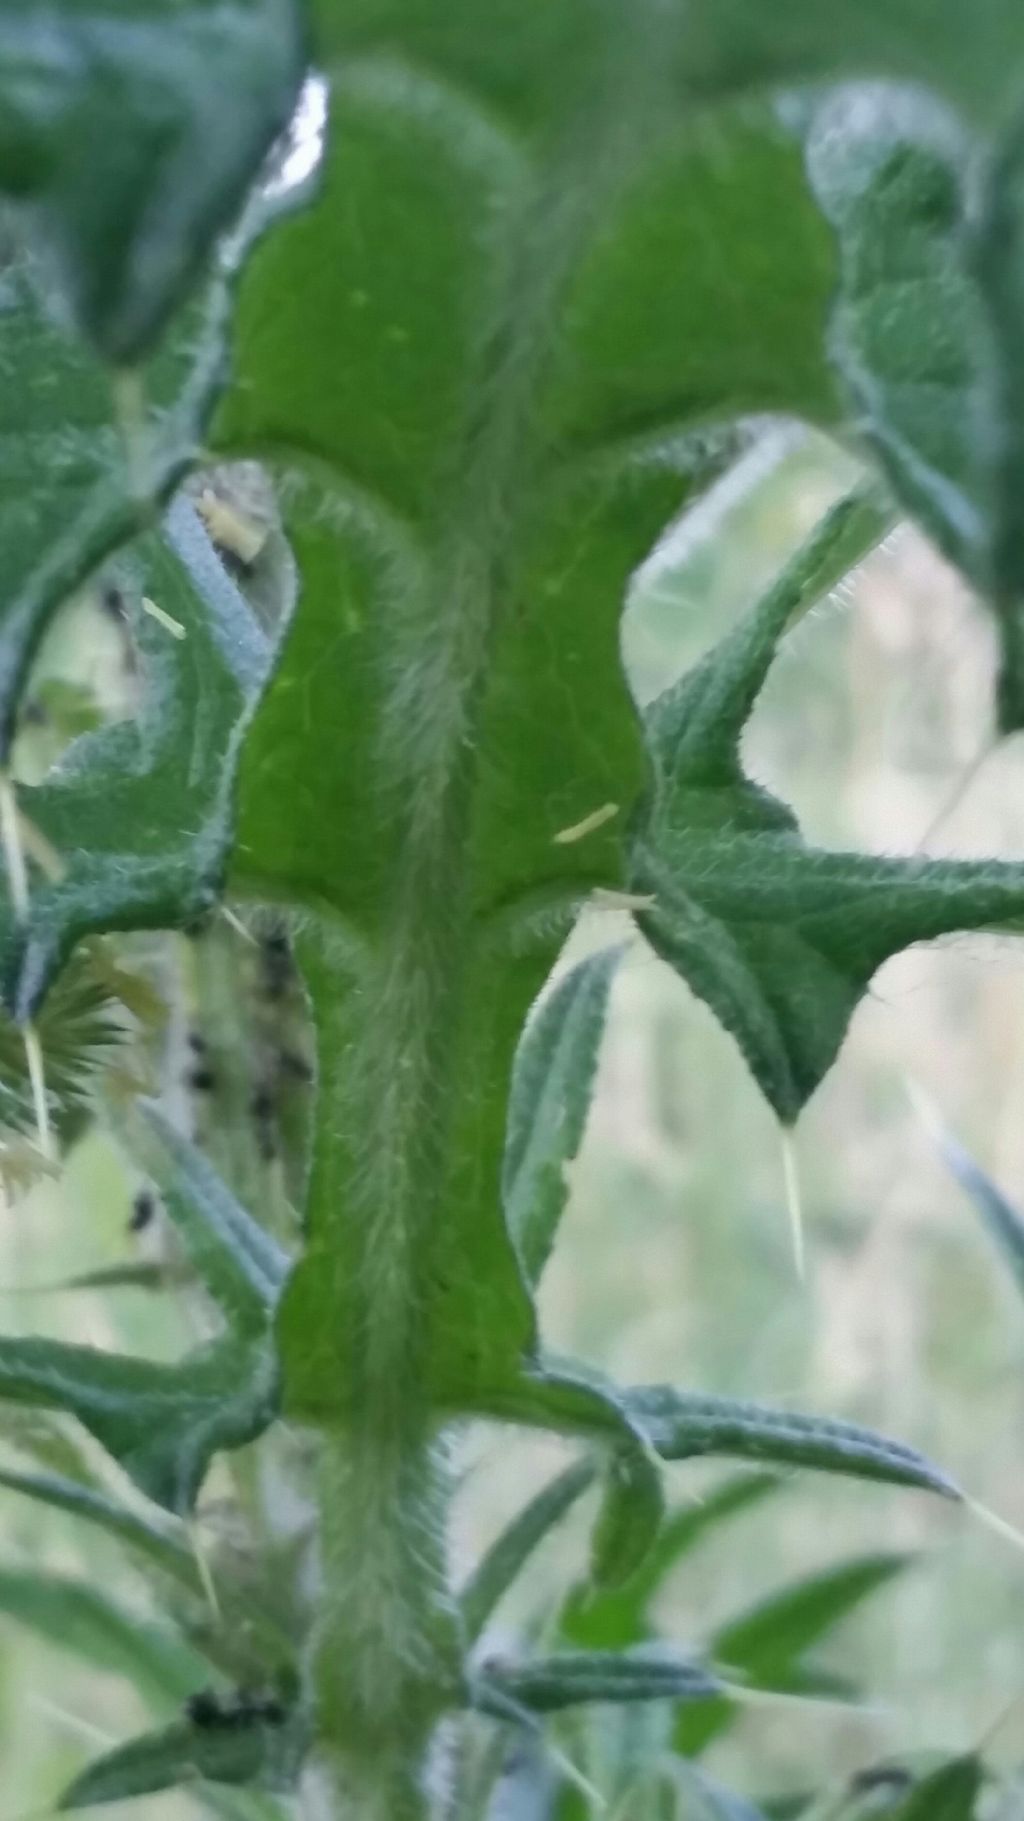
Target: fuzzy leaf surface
253	1753
68	496
779	938
127	218
572	1678
470	469
682	1425
926	332
552	1084
162	1423
139	811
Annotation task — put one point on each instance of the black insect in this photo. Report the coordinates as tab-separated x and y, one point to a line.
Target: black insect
204	1709
277	967
143	1210
263	1109
113	603
294	1066
201	1078
197	1042
244	1707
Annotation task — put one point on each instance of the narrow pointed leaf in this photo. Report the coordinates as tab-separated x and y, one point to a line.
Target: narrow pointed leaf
948	1794
81	1620
242	1267
253	1753
162	1423
157	1546
684	1425
139	812
779	938
570	1678
765	1646
552	1084
629	1519
617	1617
513	1547
68	497
1001	1219
128	219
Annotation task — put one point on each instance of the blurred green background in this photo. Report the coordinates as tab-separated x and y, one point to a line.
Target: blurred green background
676	1261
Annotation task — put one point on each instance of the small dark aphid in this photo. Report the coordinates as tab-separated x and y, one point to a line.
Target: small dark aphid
143	1210
204	1709
113	603
261	1106
201	1079
244	1707
263	1111
277	968
292	1064
197	1042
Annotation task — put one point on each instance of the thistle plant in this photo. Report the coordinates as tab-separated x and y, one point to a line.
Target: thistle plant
555	264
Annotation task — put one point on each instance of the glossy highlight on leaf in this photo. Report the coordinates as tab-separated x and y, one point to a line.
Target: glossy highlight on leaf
126	219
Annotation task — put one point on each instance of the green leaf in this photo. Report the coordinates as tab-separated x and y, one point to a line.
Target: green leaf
128	218
499	447
156	1545
733	44
162	1423
779	938
764	1646
78	1619
926	333
571	1678
242	1267
617	1617
549	1100
629	1518
248	1751
685	1425
71	490
139	812
1001	1219
948	1794
513	1546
